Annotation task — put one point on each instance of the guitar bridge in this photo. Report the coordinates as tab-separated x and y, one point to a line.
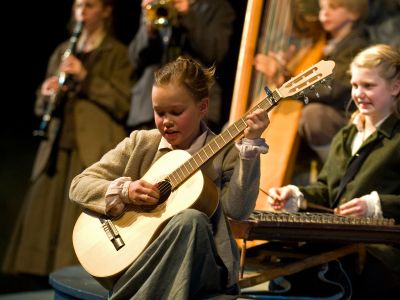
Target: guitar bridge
112	233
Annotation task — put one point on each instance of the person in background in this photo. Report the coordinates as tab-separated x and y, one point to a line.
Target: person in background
200	29
204	259
88	121
325	114
382	22
374	190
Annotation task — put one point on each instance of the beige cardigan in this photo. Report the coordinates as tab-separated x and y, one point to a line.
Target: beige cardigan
236	179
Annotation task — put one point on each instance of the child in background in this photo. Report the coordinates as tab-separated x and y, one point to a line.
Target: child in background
323	116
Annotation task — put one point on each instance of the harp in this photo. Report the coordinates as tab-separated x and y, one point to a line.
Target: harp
274	25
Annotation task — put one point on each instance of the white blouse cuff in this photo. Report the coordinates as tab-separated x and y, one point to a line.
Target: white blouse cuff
294	203
117	196
374	208
251	148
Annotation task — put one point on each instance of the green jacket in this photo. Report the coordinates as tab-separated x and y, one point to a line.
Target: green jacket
380	172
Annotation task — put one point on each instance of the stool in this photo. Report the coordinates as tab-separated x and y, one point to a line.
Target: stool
73	282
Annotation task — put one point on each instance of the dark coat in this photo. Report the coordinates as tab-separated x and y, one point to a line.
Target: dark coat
100	105
92	124
203	34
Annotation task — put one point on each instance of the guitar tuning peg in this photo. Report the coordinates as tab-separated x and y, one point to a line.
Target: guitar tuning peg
313	88
326	83
302	95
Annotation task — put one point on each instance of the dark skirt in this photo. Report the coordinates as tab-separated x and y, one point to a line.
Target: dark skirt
41	241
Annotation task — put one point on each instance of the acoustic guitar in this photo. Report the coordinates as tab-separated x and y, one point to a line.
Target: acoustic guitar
106	247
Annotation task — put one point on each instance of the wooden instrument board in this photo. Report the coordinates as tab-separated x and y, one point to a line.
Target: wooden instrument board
317	227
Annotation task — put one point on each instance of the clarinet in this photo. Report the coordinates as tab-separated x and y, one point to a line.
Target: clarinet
56	96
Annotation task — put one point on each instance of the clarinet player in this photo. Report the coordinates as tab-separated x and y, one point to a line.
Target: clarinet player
86	123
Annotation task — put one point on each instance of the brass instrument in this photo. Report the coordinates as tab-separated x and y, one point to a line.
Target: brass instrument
55	98
160	13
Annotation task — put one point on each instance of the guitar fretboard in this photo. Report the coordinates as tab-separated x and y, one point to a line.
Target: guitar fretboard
193	164
295	86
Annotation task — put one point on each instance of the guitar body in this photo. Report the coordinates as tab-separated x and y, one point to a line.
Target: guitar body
138	227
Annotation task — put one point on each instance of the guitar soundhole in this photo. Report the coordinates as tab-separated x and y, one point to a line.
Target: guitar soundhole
165	191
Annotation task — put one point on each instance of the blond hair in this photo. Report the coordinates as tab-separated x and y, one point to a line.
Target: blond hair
188	73
386	60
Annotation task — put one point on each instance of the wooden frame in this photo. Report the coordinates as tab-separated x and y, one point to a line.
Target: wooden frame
281	135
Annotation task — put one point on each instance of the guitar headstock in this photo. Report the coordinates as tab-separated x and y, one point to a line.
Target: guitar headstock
307	79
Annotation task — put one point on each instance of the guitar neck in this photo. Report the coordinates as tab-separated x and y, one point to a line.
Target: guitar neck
294	86
218	143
